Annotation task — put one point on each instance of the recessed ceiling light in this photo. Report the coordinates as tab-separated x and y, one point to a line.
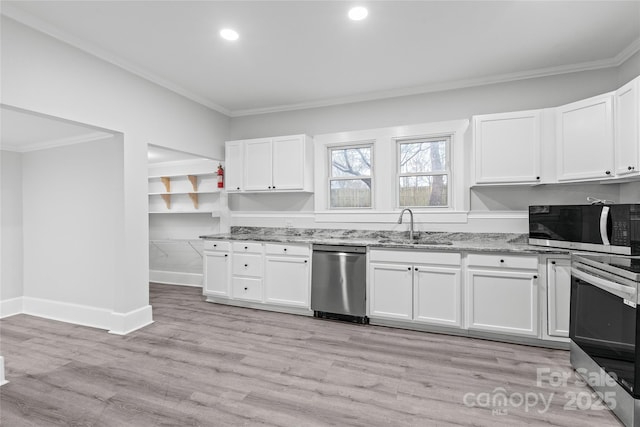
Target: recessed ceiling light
229	34
358	13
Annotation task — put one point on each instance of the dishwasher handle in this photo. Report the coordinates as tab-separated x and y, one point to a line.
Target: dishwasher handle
340	248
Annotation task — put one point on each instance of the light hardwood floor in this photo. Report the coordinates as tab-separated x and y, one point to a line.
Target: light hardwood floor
213	365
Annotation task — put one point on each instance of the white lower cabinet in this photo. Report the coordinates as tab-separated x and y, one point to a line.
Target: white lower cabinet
287	280
436	297
217	269
502	296
558	297
391	291
271	274
421	290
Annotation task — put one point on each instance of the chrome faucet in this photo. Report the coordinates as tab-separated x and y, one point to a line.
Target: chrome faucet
411	216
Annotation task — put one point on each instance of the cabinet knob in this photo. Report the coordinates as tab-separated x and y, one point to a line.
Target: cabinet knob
631	168
502	261
416	269
535	276
409	268
285	249
246	265
607	172
537	178
246	289
246	247
274	187
553	262
226	255
215	246
237	188
269	187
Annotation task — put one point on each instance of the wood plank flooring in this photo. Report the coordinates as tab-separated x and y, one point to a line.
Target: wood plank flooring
203	364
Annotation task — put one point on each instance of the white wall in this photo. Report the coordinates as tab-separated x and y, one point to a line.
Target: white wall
493	209
73	200
11	268
46	76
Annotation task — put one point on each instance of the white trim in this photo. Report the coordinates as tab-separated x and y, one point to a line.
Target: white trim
176	278
10	307
124	323
391	217
3	381
66	312
616	61
53	143
44	27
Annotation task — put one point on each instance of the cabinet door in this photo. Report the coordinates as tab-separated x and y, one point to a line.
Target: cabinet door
287	281
507	147
233	165
558	297
288	163
391	291
216	274
502	301
627	121
257	165
437	295
585	139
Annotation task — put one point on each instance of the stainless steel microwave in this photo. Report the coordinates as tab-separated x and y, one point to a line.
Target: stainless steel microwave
600	228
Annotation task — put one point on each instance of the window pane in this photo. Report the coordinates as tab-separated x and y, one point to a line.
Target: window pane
351	162
430	190
416	157
350	193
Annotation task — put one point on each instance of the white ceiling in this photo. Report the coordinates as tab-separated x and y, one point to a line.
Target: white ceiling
297	54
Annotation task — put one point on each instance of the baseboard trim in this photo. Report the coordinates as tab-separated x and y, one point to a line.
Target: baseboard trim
67	312
125	323
11	307
175	278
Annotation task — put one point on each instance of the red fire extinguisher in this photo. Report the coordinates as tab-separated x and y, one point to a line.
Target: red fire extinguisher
220	176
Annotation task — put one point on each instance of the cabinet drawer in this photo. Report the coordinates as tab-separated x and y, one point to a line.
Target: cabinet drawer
247	289
247	247
503	261
247	265
216	245
287	249
415	257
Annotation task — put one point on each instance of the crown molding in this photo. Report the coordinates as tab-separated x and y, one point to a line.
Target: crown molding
44	27
41	145
27	19
615	61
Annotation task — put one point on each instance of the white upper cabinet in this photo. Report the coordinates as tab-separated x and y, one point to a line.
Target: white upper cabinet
627	125
234	158
507	148
257	162
585	139
273	164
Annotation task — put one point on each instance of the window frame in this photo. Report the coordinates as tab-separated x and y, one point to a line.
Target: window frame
330	178
446	171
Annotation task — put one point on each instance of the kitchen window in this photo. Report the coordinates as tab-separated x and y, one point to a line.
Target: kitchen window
350	176
423	172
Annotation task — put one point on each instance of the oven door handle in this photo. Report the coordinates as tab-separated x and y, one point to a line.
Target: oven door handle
623	291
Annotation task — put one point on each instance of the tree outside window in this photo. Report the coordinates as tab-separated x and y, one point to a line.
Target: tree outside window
423	172
350	177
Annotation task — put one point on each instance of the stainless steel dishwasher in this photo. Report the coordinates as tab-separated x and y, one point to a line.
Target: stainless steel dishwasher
338	282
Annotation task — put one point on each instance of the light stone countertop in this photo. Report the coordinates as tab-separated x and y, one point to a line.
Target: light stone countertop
441	241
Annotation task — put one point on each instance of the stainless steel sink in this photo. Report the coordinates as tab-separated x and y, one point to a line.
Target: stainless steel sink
413	242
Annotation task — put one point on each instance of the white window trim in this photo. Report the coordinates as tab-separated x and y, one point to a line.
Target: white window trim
385	208
447	170
371	176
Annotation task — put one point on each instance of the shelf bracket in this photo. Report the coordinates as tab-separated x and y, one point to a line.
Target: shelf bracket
167	200
194	181
194	199
167	183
